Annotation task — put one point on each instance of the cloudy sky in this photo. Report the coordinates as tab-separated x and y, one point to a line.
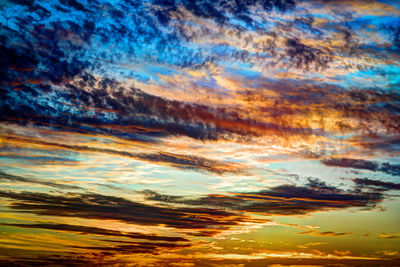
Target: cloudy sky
200	133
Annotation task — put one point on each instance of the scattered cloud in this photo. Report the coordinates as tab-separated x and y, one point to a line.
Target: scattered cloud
389	235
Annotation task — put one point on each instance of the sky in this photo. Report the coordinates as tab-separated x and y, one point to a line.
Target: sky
200	133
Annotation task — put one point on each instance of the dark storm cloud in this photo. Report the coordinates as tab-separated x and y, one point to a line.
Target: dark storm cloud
16	178
282	200
95	231
361	164
101	207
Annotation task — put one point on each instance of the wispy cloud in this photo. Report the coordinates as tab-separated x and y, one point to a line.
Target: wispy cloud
16	178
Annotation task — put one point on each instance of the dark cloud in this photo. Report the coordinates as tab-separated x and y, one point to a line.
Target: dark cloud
64	65
351	163
99	258
375	184
95	231
101	207
73	4
304	56
89	255
113	104
361	164
222	11
389	235
51	260
375	142
135	247
282	200
62	55
330	233
358	111
17	178
325	233
153	243
82	108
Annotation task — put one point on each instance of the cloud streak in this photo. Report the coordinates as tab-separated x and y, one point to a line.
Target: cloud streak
101	207
282	200
95	231
16	178
179	161
361	164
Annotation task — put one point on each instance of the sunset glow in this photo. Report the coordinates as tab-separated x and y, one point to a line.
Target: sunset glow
200	133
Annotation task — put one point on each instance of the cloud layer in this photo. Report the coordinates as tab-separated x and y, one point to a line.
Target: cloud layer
179	132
